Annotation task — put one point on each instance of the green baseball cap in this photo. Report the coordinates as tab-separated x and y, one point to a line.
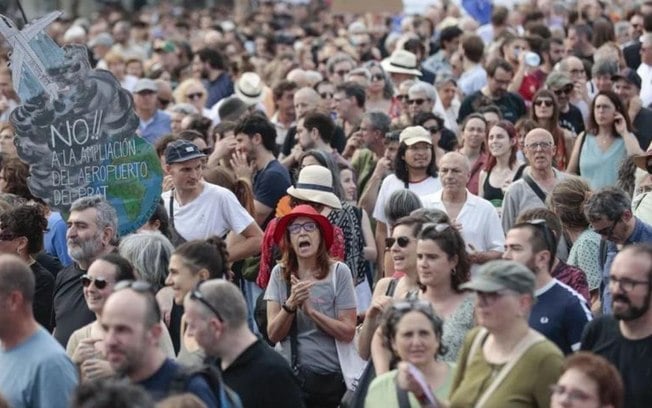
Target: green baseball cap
501	274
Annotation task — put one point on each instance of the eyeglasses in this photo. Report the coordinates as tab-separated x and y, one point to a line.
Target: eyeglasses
606	231
309	226
195	95
548	235
539	145
342	72
626	284
433	129
543	102
377	77
401	241
198	296
418	101
164	102
326	95
86	281
573	395
401	97
565	90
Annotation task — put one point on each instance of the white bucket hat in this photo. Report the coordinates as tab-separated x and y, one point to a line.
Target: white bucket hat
315	184
249	88
401	62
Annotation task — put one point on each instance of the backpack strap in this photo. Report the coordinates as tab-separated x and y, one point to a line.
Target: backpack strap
535	187
294	342
391	288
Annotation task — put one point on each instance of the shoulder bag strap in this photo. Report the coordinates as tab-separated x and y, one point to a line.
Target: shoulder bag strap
523	346
294	343
172	208
402	396
535	187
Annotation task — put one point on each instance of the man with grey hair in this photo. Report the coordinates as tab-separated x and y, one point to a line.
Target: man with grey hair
574	68
645	69
92	232
36	372
373	128
609	212
338	67
479	221
602	71
421	98
216	314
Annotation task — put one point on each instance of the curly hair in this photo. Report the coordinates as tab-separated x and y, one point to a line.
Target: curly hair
15	173
27	221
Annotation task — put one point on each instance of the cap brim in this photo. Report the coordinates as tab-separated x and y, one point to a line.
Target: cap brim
185	159
481	284
418	139
314	196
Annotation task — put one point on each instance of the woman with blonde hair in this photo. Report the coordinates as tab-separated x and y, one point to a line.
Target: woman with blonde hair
192	91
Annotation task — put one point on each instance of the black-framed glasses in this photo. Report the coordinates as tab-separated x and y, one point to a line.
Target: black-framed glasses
196	294
626	284
433	129
539	145
296	228
377	77
574	395
565	90
401	241
195	95
544	102
606	231
548	235
100	283
401	97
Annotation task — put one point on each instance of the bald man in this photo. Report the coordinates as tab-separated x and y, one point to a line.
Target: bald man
219	324
34	369
306	100
478	218
538	179
132	321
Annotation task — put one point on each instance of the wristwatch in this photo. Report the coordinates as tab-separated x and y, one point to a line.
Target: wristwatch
288	309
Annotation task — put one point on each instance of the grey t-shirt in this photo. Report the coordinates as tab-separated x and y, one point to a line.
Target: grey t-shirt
316	348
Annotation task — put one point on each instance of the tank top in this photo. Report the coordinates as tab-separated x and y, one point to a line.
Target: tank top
493	194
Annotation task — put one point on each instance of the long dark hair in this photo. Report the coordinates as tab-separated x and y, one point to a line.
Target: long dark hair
291	264
450	241
620	108
511	132
401	169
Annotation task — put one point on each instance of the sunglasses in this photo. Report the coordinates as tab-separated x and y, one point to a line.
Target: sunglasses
198	296
401	97
86	281
326	95
407	305
565	90
433	129
195	95
401	241
309	226
377	77
418	102
543	102
548	235
164	102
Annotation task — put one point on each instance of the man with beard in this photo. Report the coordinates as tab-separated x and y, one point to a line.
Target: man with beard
528	83
625	339
92	232
131	320
627	85
479	221
500	74
214	73
538	178
609	212
560	313
415	169
217	320
570	117
315	132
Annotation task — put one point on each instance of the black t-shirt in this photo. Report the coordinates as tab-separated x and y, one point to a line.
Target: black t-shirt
49	262
42	305
511	105
69	311
572	119
262	378
642	125
633	358
338	141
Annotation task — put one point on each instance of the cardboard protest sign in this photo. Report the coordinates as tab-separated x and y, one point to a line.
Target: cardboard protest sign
76	128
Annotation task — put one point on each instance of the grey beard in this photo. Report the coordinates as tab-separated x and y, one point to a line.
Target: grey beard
87	250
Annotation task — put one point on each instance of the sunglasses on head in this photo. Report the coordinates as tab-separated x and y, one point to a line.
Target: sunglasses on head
439	227
548	235
407	305
401	241
86	281
198	296
137	285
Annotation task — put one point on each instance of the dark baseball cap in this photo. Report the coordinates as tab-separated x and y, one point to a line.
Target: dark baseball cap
628	75
181	151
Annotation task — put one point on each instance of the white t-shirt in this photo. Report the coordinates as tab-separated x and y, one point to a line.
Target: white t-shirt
392	183
215	212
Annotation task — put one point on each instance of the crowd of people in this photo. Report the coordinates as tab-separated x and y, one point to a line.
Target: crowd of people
448	207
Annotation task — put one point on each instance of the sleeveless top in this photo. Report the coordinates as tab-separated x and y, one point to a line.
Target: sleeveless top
491	193
600	169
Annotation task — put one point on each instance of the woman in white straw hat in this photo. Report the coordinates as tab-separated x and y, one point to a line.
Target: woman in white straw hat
402	65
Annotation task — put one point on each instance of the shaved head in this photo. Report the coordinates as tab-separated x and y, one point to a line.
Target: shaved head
457	158
540	135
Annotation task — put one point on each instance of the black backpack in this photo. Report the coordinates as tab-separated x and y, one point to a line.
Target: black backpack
225	396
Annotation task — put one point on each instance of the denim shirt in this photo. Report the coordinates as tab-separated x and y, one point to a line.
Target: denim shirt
642	233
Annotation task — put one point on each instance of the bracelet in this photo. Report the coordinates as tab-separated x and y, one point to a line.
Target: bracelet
288	309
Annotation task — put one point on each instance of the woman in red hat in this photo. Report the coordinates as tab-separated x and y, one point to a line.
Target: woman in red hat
311	307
